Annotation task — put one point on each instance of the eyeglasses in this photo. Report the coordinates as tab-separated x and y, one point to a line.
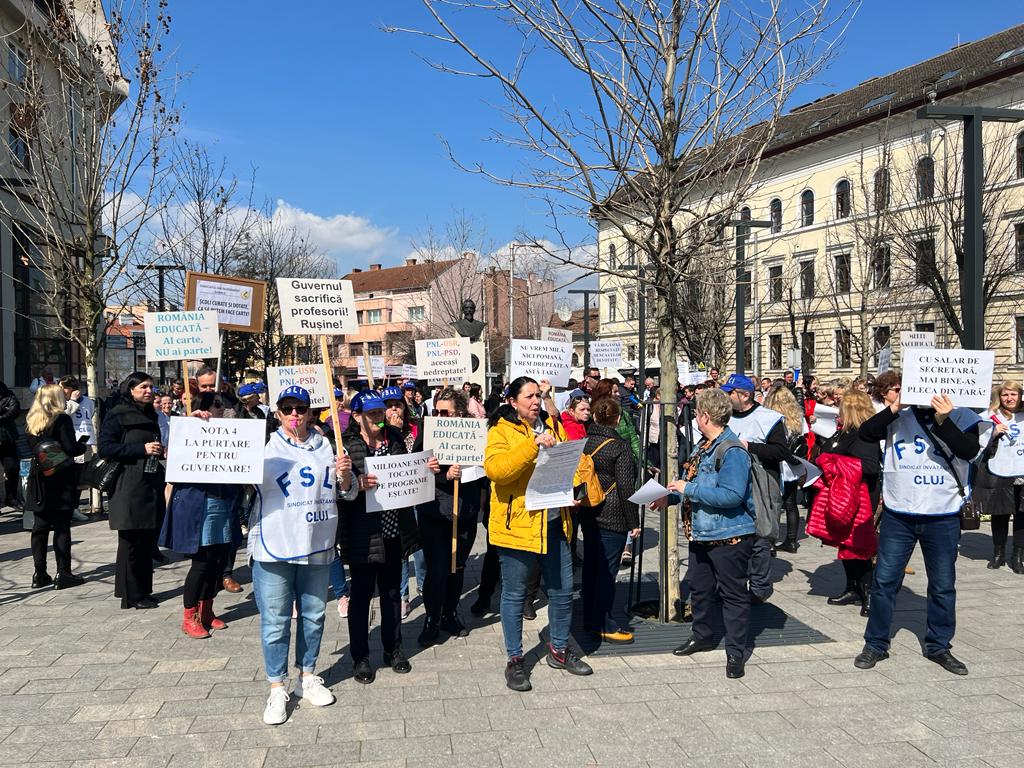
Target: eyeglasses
442	412
895	389
302	410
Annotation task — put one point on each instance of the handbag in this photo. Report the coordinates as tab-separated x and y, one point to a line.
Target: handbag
970	515
100	474
50	457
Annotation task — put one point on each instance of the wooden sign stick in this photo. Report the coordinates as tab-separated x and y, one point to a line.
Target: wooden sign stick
455	526
188	388
369	369
325	355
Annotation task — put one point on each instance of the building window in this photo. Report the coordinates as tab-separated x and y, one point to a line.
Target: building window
775	351
806	279
807	351
630	305
612	263
806	208
927	327
746	294
374	316
880	338
924	260
630	255
17	65
1019	336
375	348
842	199
881	267
775	214
631	352
843	340
844	275
748	353
1018	245
881	189
356	349
775	282
1020	155
18	146
925	178
417	314
613	310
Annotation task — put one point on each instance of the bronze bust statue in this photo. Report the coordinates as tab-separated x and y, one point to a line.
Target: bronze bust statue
466	325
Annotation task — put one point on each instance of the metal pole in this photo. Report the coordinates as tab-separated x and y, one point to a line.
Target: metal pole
741	239
511	306
974	243
160	289
586	332
642	306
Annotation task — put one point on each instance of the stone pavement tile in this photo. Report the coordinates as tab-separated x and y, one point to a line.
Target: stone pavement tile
881	756
855	678
146	761
788	739
141	671
633	693
484	741
355	693
466	689
23	702
87	698
291	732
546	679
301	755
564	757
17	754
188	742
190	665
87	749
611	713
881	731
25	674
409	748
979	745
827	697
969	705
711	761
817	666
137	681
488	759
704	742
975	722
237	758
399	710
171	693
492	705
760	723
555	735
781	653
623	754
213	676
42	734
558	699
541	719
159	726
236	689
55	716
361	731
439	724
705	705
104	712
767	684
809	758
196	707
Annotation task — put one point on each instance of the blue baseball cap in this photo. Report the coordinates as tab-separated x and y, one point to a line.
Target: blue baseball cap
391	393
252	388
739	381
339	392
409	385
367	400
294	391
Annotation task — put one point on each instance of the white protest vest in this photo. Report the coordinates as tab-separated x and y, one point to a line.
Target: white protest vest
82	419
915	479
754	427
1008	460
296	505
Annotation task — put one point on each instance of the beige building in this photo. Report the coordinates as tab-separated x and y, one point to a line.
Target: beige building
865	205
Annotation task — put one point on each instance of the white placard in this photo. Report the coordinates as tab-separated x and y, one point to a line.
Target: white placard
606	354
312	306
402	481
231	301
216	451
551	360
910	339
455	440
552	480
409	371
963	374
377	367
181	336
650	491
805	473
393	371
312	378
563	335
824	420
440	359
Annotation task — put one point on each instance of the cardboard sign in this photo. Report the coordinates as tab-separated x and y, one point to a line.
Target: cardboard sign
910	339
240	303
216	451
181	336
455	440
551	360
310	377
377	367
606	354
402	481
963	374
563	335
312	306
551	483
440	359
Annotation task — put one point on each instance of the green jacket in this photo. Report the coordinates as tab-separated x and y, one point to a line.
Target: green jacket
628	433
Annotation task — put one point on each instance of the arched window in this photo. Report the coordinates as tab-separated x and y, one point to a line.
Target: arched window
925	178
744	213
743	231
611	256
842	199
806	208
775	213
1020	155
881	189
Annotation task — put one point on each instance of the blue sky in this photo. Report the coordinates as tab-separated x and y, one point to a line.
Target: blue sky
343	122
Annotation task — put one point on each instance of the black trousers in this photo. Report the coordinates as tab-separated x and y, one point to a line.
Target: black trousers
442	589
789	492
12	468
1001	530
721	570
386	578
58	521
602	550
204	576
133	568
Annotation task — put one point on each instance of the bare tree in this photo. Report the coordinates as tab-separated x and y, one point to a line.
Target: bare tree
91	109
658	140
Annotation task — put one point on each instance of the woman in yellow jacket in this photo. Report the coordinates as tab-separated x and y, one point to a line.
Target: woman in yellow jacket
519	428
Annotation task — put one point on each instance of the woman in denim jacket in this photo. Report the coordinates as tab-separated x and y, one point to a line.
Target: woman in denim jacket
718	519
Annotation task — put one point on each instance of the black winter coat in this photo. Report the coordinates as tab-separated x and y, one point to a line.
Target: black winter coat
360	536
58	493
614	464
137	502
9	410
444	496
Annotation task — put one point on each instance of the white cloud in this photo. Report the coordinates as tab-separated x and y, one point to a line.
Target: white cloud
340	234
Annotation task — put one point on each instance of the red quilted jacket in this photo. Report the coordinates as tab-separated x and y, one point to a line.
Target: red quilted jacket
841	515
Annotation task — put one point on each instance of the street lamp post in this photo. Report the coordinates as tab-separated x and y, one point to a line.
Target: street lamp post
586	294
160	269
743	228
972	295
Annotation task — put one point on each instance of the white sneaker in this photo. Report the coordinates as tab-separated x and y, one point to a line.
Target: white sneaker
277	709
313	691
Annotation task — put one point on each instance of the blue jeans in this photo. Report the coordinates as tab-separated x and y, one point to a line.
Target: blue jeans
278	585
897	536
339	584
602	551
421	568
556	570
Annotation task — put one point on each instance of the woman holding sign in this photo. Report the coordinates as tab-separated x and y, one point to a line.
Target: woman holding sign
375	544
518	430
999	486
292	532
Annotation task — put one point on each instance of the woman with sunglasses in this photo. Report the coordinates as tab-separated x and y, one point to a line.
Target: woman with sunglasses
374	545
292	532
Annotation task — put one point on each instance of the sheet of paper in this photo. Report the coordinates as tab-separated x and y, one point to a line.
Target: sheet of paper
805	474
650	491
552	480
824	420
469	474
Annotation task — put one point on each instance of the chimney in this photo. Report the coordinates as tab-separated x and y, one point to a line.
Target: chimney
410	262
356	269
375	267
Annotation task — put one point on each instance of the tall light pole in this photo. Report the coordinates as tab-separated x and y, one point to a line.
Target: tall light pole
160	269
586	293
743	227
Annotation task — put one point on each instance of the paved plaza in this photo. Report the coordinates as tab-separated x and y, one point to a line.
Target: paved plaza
88	685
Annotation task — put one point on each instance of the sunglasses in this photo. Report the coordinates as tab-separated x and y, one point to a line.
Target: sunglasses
302	410
442	412
895	389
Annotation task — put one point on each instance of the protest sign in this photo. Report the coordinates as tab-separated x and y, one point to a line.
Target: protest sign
563	335
440	359
409	371
824	420
553	475
181	336
312	378
963	374
455	440
402	481
549	360
240	303
917	339
1008	458
216	450
377	367
316	307
606	354
650	491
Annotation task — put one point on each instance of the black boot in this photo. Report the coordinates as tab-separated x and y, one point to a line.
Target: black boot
865	592
998	558
789	545
1017	559
849	596
430	634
